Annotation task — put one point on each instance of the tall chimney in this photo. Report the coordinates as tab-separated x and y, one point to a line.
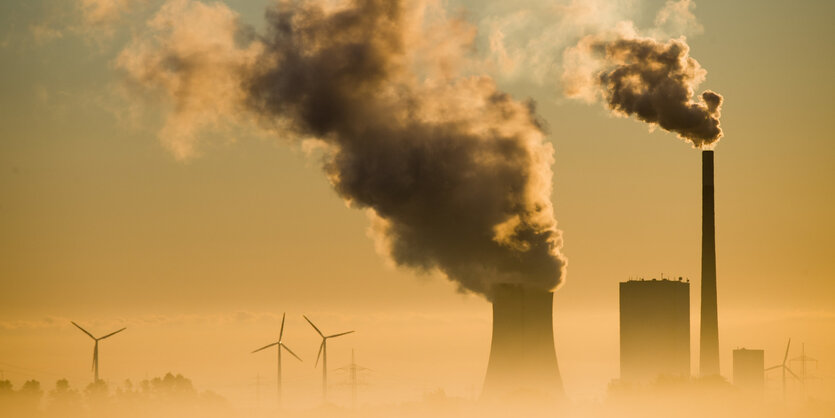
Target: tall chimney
709	332
523	362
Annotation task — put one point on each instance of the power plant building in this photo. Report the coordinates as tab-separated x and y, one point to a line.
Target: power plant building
749	368
654	329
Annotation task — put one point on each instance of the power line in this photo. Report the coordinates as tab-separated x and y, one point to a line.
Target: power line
30	372
354	370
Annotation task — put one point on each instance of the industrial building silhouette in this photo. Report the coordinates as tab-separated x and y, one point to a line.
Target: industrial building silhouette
654	329
749	366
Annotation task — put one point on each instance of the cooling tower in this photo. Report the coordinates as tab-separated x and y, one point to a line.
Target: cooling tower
523	363
709	332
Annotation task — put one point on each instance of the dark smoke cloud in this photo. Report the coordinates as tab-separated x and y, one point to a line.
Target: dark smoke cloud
651	80
455	174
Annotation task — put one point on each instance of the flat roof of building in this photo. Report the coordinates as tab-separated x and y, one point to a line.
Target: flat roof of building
657	281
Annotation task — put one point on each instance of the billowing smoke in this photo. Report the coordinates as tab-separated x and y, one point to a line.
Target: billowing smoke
651	80
455	173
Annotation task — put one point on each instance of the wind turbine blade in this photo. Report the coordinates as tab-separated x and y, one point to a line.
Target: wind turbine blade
113	333
340	334
85	331
321	346
774	367
281	333
314	326
290	351
95	357
792	373
266	346
787	351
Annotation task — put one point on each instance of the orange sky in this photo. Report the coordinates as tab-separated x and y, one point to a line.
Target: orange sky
100	224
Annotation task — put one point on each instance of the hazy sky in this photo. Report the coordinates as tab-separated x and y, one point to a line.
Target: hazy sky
101	224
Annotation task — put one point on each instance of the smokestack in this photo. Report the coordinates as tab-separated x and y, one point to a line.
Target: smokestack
709	333
523	363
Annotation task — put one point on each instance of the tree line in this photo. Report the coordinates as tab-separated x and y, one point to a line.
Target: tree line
170	395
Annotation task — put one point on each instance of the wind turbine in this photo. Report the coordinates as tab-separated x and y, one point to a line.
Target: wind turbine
785	368
323	352
96	348
279	345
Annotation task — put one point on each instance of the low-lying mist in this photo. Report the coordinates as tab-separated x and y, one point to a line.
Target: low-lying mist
175	396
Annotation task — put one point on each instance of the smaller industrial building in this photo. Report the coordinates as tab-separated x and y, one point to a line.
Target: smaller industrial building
749	366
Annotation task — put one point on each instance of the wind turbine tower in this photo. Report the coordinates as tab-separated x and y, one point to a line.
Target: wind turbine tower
279	345
96	348
323	353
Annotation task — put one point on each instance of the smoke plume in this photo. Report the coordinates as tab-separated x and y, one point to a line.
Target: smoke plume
651	80
455	173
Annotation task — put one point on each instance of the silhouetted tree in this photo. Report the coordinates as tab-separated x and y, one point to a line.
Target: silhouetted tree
27	399
173	387
6	395
97	395
64	401
6	388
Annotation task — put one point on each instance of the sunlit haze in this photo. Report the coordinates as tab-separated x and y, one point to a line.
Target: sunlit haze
194	170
